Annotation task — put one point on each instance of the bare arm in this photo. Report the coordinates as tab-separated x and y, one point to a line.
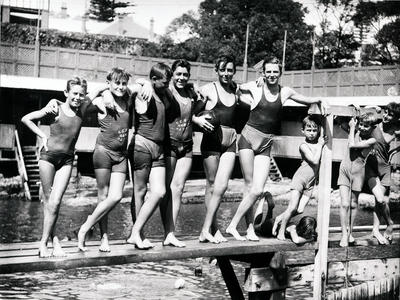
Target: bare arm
312	158
299	98
294	236
37	115
361	143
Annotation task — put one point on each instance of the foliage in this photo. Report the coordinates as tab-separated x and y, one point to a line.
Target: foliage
24	34
220	27
104	10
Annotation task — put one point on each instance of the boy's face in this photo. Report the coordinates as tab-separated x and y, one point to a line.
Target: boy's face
365	128
180	77
225	72
160	84
75	96
118	87
311	132
272	73
387	116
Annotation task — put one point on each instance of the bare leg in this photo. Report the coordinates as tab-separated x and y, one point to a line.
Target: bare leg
260	174
114	195
223	174
345	195
289	212
177	184
380	210
54	185
157	192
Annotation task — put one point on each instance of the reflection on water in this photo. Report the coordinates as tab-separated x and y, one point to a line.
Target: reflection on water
22	221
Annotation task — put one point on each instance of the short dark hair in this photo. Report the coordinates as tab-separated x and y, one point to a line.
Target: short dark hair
311	119
160	70
272	60
368	118
76	80
225	59
306	228
394	108
180	63
117	73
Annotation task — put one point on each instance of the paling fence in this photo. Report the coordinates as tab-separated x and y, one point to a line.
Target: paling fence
62	63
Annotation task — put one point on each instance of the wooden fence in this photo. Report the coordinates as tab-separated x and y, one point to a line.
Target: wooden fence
63	63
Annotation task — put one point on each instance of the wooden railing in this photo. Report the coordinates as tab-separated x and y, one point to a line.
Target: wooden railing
21	167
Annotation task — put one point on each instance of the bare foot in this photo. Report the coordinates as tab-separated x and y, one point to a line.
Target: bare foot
277	222
57	249
219	237
171	240
44	251
104	245
138	242
81	239
351	239
343	241
388	234
381	239
206	237
281	236
235	234
251	235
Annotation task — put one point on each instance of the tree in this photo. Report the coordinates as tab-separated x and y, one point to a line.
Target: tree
104	10
336	43
383	18
220	27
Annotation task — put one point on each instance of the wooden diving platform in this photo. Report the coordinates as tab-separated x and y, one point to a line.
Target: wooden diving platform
23	257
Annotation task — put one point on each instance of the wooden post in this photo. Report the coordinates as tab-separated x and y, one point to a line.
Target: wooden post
324	205
230	278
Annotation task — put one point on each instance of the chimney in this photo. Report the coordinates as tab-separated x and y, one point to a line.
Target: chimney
63	13
151	33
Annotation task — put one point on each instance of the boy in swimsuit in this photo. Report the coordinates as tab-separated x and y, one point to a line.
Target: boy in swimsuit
304	180
57	154
352	171
378	168
299	232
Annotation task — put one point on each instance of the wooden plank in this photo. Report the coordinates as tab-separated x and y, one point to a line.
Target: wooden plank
13	259
324	204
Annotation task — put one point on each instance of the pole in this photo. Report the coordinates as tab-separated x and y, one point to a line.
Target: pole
312	64
37	45
284	52
324	205
245	70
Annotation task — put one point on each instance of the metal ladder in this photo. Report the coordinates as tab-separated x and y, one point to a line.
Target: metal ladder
274	172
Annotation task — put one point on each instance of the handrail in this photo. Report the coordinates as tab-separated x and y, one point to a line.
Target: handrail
21	167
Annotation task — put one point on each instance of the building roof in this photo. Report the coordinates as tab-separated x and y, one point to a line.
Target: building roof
127	27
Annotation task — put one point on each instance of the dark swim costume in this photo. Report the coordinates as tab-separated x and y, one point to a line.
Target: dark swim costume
264	122
57	159
223	138
110	149
304	178
64	132
259	142
352	168
266	116
179	115
149	137
378	165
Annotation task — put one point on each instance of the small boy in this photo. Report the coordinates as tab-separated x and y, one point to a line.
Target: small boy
303	182
378	168
302	232
352	171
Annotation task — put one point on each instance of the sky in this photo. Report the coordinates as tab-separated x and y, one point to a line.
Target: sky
163	11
